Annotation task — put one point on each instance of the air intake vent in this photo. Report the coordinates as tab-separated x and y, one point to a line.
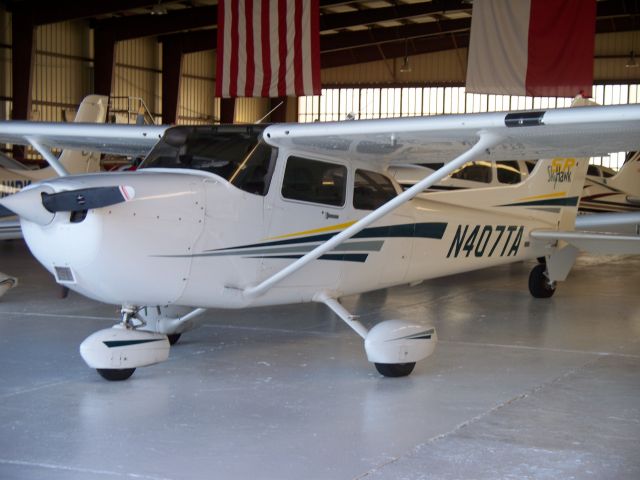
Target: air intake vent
64	275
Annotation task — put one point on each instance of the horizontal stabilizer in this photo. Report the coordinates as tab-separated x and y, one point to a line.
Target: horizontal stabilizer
600	243
627	223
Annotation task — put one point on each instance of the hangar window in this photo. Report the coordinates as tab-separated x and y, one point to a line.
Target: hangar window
380	102
371	190
314	181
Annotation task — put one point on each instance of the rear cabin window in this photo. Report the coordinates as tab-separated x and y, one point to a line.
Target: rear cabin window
314	181
371	190
593	171
476	171
509	172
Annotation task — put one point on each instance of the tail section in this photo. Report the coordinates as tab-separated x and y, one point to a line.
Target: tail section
93	109
553	188
627	179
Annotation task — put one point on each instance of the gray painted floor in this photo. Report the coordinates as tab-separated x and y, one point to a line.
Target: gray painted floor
517	388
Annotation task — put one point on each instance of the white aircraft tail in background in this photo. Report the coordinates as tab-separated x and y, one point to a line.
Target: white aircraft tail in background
93	109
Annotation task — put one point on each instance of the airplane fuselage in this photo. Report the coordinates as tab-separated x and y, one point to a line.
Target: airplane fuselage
191	238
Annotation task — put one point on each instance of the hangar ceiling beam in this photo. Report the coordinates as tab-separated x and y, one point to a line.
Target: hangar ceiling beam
173	48
171	74
398	12
22	40
46	11
138	26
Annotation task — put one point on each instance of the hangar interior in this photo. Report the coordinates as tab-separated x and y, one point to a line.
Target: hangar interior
518	387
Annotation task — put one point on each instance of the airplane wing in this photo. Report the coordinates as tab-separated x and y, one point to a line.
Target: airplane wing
599	243
584	131
568	132
10	229
129	140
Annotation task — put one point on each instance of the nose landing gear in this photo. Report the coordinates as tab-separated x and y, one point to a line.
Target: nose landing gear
116	352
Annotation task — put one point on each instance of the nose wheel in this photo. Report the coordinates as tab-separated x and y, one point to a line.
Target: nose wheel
115	374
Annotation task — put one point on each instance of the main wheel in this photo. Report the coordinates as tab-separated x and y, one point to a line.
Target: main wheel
539	285
115	374
395	369
173	338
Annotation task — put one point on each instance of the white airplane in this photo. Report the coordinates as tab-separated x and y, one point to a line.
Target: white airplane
618	193
243	216
15	176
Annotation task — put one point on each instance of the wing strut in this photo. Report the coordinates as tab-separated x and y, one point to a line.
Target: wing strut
486	141
48	156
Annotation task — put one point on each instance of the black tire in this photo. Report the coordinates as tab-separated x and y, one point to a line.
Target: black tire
173	338
395	369
539	283
115	374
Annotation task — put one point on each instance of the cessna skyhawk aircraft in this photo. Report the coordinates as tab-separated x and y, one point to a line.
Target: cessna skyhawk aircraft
242	216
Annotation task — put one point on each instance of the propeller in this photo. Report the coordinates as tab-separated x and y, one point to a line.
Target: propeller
39	204
85	198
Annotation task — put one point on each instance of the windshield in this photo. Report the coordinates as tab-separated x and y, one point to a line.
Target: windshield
235	153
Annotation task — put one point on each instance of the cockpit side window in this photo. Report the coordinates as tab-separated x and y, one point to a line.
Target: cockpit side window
254	174
235	153
314	181
371	190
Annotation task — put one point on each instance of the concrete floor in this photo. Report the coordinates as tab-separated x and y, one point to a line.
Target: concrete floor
517	388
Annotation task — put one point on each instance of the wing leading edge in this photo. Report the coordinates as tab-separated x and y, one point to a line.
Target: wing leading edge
577	132
130	140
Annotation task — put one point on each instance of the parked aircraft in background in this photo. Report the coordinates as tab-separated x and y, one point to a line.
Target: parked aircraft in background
242	216
617	193
14	176
604	190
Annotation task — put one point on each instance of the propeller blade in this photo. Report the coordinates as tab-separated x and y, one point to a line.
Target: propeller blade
86	198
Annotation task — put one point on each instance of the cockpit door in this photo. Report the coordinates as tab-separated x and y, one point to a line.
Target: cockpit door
305	207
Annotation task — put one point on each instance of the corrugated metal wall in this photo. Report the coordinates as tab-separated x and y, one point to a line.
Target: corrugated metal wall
616	45
137	74
62	73
431	68
197	102
611	52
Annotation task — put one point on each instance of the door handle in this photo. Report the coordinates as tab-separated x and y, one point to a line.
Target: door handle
328	215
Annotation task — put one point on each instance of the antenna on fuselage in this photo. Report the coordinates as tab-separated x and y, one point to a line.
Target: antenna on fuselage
270	112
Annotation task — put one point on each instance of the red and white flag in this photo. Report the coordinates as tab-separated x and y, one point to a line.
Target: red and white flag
268	48
532	47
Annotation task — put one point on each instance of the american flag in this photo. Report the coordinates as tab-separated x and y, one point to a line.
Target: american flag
268	48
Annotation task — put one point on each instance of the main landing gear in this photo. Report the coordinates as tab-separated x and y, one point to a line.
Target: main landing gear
393	346
539	284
